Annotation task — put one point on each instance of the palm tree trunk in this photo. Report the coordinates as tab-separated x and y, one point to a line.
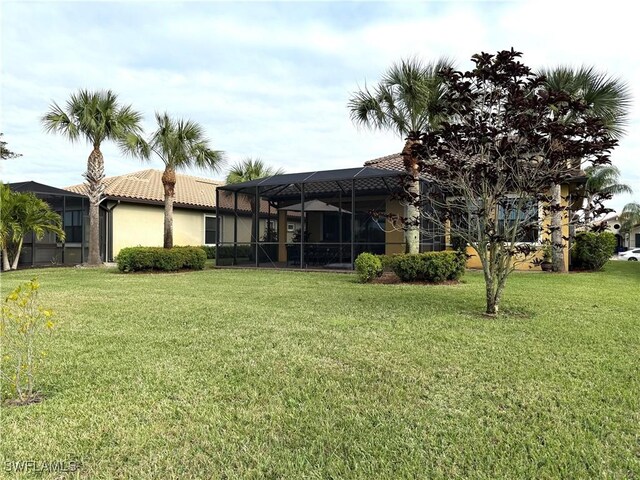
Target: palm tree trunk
587	211
557	252
5	260
169	183
95	188
14	266
412	230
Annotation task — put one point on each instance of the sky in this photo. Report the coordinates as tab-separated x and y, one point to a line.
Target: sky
272	79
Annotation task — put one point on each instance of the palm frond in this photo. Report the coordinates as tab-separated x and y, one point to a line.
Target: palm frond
630	216
182	144
605	180
250	169
407	98
609	98
56	120
95	116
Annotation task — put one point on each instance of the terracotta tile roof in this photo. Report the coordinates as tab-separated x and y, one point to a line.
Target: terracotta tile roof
388	162
391	162
146	186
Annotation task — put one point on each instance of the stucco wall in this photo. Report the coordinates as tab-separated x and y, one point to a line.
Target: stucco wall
394	239
474	261
137	224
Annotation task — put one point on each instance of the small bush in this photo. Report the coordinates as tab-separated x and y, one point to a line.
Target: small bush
194	257
209	250
592	250
23	330
387	262
368	266
429	267
135	259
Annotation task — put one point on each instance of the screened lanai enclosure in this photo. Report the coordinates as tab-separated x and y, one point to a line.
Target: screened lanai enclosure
321	219
73	209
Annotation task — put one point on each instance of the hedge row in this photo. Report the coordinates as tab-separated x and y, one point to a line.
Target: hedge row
226	251
134	259
426	267
429	267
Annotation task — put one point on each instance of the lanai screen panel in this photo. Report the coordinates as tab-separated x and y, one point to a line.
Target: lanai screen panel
330	237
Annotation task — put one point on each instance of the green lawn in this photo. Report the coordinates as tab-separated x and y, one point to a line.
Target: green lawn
267	374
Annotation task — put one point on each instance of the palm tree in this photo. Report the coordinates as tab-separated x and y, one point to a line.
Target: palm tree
406	102
630	217
95	117
609	100
602	181
23	213
247	170
180	144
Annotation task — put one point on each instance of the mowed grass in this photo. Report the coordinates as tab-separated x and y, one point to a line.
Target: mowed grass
267	374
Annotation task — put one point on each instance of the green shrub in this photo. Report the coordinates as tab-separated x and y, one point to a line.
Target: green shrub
407	267
209	250
226	251
592	250
429	267
134	259
387	262
194	257
368	266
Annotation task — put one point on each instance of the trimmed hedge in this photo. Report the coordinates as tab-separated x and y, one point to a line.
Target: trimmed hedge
135	259
592	250
368	266
387	261
209	250
226	251
429	267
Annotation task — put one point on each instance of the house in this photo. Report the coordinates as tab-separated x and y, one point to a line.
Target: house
132	212
339	211
625	240
50	250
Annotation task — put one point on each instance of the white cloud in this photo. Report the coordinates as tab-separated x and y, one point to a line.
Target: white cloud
272	83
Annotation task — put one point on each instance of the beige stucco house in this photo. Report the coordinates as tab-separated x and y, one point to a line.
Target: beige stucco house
132	212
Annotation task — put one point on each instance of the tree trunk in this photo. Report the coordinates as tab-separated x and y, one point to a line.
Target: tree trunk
412	231
557	241
492	304
14	266
169	183
5	260
587	211
95	188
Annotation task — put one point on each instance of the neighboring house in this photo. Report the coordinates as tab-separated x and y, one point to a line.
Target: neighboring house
339	212
132	212
49	250
626	240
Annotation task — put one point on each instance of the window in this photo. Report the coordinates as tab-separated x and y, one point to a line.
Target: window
210	230
291	227
73	226
524	219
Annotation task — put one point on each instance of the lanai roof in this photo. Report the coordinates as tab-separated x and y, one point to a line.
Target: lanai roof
321	182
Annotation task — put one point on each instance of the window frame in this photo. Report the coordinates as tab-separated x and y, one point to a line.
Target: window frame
204	230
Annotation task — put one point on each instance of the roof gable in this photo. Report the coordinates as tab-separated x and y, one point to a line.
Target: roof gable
146	185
